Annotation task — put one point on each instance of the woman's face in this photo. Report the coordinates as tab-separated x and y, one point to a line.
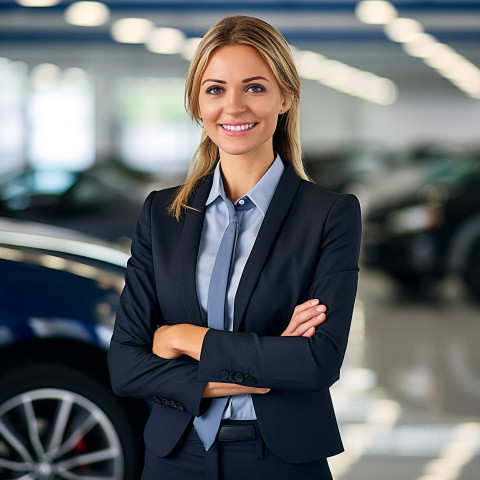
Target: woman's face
240	101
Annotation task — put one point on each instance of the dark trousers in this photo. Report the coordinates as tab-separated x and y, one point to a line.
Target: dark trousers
236	460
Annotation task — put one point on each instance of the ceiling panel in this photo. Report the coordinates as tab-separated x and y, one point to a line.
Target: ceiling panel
327	27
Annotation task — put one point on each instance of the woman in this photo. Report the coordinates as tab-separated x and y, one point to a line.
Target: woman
247	397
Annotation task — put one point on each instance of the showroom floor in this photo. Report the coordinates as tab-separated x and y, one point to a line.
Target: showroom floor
408	400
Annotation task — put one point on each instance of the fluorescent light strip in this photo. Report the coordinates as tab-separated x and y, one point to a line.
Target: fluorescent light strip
132	30
38	3
87	14
166	41
415	42
346	79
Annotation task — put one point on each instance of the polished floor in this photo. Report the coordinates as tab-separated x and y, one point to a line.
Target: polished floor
408	401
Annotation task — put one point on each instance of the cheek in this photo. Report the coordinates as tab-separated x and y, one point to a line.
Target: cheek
207	110
271	114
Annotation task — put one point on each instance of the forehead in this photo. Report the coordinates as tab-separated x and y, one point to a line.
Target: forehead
236	61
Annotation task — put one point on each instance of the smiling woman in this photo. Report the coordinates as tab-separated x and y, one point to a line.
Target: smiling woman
239	104
268	43
222	322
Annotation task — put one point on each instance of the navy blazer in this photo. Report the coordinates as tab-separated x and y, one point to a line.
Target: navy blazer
307	247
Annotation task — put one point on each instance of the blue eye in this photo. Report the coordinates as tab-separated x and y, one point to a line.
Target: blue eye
214	90
256	89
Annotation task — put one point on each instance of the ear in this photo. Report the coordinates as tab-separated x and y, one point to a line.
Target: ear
285	105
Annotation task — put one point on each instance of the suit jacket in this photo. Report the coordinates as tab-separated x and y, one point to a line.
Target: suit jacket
307	247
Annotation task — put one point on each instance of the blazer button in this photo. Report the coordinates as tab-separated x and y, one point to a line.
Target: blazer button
239	377
165	402
249	379
224	375
179	406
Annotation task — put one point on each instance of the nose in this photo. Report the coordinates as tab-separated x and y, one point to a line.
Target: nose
234	103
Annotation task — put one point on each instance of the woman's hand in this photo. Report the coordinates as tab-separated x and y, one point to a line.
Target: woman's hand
218	389
173	341
306	317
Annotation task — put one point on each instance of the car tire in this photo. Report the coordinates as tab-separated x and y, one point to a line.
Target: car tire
54	419
471	273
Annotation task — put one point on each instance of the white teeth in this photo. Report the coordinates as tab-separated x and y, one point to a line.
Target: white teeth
238	128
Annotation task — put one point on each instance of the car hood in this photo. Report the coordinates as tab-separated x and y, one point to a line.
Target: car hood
65	241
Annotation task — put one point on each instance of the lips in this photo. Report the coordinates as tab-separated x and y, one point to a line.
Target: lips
241	127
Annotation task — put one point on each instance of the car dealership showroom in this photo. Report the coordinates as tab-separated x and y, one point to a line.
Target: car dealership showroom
92	119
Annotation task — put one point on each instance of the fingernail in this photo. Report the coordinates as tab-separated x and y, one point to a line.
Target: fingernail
314	302
320	309
322	315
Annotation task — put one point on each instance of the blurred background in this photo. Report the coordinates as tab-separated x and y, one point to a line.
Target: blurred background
92	119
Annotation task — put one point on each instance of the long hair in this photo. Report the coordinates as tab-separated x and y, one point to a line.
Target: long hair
272	46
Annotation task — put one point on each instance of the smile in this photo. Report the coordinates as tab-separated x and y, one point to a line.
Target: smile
238	128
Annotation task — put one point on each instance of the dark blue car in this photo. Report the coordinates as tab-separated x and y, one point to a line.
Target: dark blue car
58	417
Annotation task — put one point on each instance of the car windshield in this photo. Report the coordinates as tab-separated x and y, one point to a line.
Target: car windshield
37	182
455	171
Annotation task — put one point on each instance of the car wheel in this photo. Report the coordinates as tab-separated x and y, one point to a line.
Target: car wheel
58	423
472	271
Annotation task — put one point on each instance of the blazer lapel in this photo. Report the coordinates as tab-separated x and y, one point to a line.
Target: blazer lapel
276	213
189	243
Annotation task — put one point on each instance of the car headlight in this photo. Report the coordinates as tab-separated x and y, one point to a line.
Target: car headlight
415	219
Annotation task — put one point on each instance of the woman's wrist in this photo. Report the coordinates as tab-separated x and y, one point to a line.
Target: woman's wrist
188	340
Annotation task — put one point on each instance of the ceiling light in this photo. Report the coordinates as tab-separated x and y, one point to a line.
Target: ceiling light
439	55
311	65
376	12
44	75
420	45
344	78
38	3
132	30
165	40
75	75
384	91
403	29
451	67
87	14
190	47
337	75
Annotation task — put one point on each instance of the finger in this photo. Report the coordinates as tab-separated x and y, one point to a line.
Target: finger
305	326
310	332
305	305
303	313
307	315
301	317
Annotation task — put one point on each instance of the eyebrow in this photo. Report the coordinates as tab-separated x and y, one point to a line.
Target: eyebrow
246	80
254	78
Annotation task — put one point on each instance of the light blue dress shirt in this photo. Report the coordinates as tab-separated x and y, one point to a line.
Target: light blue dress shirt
239	407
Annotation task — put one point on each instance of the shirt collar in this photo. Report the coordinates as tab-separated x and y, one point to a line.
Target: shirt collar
261	194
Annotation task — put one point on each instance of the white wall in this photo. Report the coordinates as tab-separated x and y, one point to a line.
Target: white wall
423	114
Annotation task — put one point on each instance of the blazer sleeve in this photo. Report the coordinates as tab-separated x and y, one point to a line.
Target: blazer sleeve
134	370
296	363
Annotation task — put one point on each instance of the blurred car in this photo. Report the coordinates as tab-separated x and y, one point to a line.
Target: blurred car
58	416
349	165
104	201
424	222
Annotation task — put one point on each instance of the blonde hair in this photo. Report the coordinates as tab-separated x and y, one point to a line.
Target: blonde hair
272	46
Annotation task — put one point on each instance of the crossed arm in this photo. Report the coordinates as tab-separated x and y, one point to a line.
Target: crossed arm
173	341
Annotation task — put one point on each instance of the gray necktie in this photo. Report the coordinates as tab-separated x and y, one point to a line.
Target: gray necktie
207	425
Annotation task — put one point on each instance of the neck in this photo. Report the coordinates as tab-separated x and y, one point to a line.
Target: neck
240	173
